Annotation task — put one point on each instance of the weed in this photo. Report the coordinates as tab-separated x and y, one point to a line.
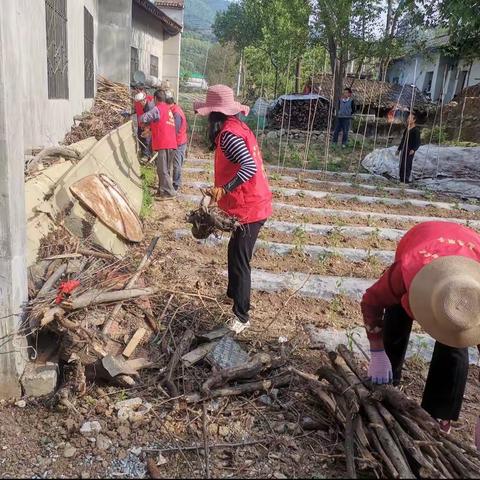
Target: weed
374	237
276	177
299	239
335	236
301	194
336	304
121	396
351	334
148	181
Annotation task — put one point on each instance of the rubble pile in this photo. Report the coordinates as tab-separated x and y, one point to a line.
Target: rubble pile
106	114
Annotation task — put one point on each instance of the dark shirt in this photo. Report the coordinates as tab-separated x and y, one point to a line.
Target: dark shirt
410	140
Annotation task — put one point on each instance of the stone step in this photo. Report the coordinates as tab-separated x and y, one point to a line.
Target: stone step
350	232
331	212
351	254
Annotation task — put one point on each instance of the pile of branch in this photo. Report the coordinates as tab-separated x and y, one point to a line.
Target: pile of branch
110	101
208	221
383	429
92	328
299	114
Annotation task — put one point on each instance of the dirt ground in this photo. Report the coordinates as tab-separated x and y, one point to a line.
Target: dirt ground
252	436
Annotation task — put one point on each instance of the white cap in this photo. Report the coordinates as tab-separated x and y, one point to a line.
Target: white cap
139	97
169	94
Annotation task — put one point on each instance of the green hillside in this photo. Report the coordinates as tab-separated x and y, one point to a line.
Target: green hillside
198	36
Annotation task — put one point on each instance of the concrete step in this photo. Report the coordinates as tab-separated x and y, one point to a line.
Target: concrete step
350	232
351	254
331	212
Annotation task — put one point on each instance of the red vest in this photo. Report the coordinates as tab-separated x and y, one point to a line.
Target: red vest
182	134
430	240
252	200
139	110
163	130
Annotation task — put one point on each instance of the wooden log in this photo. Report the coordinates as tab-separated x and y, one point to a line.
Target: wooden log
54	277
383	455
258	364
348	438
195	356
64	152
131	283
97	297
260	386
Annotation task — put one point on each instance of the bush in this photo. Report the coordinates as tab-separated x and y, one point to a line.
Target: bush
436	135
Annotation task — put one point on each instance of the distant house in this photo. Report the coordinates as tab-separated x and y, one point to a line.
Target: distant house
433	72
61	46
196	80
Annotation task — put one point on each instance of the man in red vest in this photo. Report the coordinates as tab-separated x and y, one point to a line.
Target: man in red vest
164	142
143	103
435	280
181	128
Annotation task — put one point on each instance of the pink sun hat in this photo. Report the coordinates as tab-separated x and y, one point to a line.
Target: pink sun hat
220	98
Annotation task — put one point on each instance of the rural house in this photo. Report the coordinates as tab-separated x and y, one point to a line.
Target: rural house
51	52
433	72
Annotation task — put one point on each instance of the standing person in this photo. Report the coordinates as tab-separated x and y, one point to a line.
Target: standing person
164	142
345	109
408	146
241	190
435	280
181	129
143	103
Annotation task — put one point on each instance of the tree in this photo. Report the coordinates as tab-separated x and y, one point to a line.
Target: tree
222	64
347	29
278	28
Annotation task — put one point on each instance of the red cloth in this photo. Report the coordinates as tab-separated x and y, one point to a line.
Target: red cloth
420	245
252	200
66	288
182	138
164	136
140	111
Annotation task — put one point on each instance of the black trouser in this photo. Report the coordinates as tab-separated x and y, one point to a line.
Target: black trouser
406	164
240	251
343	125
447	376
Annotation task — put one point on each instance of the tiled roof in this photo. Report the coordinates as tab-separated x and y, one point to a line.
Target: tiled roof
170	3
171	26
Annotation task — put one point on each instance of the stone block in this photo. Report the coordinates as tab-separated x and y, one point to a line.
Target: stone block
39	380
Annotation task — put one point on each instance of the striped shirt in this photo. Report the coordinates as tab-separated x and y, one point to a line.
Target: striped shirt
235	149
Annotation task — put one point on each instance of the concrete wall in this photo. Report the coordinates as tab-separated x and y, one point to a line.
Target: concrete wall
114	36
147	36
47	120
171	61
13	273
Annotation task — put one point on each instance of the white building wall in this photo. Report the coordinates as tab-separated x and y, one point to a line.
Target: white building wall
46	121
148	38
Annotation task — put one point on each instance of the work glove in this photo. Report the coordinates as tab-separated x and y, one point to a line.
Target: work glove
380	368
216	193
477	434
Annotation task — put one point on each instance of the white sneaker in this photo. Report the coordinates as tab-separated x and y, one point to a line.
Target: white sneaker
236	326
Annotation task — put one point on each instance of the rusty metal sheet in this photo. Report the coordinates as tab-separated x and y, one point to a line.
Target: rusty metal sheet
105	199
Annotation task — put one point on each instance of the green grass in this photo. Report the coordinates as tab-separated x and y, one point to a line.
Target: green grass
149	179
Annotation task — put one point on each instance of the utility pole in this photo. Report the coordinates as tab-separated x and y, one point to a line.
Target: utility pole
239	78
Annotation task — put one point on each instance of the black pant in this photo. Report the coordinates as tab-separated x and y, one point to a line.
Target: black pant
406	164
447	376
240	251
343	125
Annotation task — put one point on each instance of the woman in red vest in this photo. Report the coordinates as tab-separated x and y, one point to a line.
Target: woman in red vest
143	103
164	142
241	190
435	280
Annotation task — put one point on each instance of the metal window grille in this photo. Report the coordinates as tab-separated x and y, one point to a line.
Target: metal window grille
57	48
153	65
88	54
133	62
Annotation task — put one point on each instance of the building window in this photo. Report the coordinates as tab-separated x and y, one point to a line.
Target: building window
153	65
57	48
88	54
427	85
133	62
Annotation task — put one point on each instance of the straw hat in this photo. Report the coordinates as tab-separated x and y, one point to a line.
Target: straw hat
220	98
445	300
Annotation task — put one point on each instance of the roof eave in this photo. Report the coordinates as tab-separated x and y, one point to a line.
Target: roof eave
171	26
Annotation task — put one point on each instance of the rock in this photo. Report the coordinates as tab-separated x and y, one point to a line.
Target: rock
84	475
103	442
161	460
69	424
90	428
38	381
136	451
21	404
130	403
124	432
69	452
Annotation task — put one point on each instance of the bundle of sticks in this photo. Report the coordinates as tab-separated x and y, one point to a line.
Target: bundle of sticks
111	100
383	429
299	114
